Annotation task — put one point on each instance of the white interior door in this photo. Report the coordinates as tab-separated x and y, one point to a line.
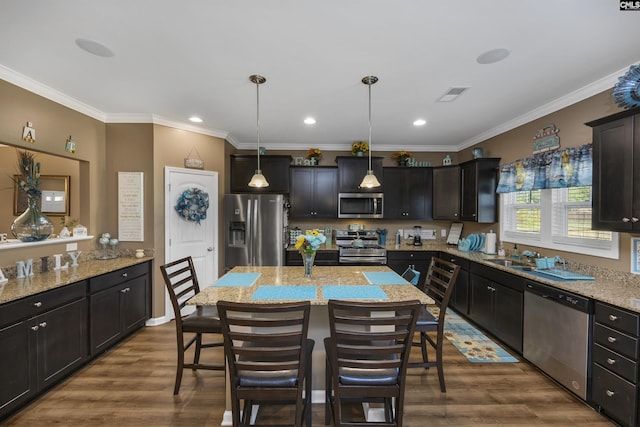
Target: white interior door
187	238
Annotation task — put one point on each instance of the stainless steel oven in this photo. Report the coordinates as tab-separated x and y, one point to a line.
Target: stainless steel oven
360	248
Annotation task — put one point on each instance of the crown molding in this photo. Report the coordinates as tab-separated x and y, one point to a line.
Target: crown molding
578	95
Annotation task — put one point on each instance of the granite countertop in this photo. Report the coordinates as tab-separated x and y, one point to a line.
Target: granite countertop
613	287
294	276
19	288
617	288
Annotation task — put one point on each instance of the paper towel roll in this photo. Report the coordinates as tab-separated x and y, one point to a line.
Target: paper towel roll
490	243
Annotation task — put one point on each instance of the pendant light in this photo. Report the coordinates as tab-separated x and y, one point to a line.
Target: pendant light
258	180
369	180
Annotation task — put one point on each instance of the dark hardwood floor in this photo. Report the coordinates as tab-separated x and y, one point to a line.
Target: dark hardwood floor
132	385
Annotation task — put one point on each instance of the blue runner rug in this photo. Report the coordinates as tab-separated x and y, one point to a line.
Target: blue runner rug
472	343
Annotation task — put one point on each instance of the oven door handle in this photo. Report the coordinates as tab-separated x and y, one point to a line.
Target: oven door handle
362	260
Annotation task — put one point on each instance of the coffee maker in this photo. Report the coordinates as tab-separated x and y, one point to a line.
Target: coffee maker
417	238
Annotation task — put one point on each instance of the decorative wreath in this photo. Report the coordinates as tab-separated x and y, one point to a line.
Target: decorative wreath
627	90
193	204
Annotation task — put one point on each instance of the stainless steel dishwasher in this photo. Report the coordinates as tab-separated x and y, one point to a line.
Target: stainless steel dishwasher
556	334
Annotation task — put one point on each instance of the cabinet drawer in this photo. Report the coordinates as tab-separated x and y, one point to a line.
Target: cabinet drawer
616	396
24	308
463	263
618	364
409	256
616	341
114	278
618	319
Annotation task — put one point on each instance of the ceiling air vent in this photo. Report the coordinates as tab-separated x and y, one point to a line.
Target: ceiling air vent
452	94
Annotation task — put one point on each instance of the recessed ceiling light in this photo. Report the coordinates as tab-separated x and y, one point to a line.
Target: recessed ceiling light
310	121
420	122
195	119
493	56
94	48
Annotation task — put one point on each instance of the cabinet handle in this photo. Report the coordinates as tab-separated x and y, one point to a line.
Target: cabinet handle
625	219
125	290
124	274
611	361
613	318
612	339
634	219
43	324
35	328
610	393
489	288
37	304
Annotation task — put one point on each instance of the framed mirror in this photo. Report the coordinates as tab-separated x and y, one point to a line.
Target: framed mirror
55	196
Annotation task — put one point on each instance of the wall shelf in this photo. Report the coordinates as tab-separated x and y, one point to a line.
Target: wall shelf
15	243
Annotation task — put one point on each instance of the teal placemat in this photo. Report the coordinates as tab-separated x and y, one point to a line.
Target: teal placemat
384	278
353	292
237	279
284	293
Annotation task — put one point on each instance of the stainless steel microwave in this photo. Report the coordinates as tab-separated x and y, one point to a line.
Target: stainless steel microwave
360	205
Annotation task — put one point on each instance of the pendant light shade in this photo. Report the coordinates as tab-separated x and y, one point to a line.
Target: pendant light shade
258	180
370	180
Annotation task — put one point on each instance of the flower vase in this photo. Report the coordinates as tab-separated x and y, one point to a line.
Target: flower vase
359	153
32	226
307	259
402	162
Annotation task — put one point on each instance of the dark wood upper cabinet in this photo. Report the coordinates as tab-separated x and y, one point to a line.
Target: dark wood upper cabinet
274	168
466	192
314	192
446	193
478	198
351	170
616	172
408	193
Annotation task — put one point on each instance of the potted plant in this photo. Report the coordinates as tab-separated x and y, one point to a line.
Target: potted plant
401	157
359	148
314	154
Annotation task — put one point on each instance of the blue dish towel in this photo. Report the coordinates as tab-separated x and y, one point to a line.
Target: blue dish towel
237	279
284	293
384	278
353	292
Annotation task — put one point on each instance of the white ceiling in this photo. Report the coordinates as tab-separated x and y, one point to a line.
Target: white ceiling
178	58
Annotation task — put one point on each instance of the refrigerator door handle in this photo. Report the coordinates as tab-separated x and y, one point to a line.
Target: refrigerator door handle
254	231
249	233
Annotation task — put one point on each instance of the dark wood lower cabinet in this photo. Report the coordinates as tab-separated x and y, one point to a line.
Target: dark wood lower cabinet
47	336
38	351
497	303
399	261
118	304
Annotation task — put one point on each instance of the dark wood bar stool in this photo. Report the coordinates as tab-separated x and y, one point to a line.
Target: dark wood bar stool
439	283
269	357
367	357
182	283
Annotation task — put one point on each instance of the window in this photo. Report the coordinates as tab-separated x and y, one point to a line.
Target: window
558	218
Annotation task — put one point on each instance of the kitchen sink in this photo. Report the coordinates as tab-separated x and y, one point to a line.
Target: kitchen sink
508	262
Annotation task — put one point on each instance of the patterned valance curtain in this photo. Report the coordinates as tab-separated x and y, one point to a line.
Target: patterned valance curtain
570	167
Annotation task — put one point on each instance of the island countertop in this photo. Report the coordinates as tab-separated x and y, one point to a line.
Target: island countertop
294	276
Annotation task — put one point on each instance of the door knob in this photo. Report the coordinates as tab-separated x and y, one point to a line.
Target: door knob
210	249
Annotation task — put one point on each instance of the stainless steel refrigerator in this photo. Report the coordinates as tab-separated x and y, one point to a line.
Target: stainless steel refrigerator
254	229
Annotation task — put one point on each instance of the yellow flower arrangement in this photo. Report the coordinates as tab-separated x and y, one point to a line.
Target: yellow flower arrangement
314	153
359	147
401	155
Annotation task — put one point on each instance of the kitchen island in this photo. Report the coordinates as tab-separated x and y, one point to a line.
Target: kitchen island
325	281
